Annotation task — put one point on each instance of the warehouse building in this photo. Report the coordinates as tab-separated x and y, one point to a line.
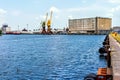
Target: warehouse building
116	29
97	25
5	28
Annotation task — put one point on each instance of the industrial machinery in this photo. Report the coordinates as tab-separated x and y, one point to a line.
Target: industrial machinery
102	74
44	25
49	24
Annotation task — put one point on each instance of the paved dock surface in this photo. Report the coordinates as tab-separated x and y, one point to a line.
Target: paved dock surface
115	57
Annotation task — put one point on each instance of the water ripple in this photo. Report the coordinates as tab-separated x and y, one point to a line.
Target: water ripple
49	57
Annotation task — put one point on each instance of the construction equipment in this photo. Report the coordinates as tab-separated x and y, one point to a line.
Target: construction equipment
44	24
49	24
102	74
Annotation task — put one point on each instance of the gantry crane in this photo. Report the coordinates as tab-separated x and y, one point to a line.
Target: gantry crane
49	24
44	24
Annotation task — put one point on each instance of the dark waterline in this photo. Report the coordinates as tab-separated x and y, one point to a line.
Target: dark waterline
49	57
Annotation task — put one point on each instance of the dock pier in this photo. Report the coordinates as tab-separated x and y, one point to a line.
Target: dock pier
115	57
111	52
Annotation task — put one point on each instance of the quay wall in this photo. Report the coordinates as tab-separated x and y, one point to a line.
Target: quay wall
115	57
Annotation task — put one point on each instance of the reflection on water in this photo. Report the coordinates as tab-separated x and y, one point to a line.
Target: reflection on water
49	57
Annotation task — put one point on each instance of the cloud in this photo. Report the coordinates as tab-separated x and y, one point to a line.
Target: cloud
16	13
43	17
2	11
110	15
113	11
88	11
40	17
84	1
74	9
54	9
91	8
117	8
2	16
56	17
114	14
114	1
70	17
80	12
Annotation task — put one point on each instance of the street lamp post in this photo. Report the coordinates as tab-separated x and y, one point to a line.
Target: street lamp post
18	28
27	27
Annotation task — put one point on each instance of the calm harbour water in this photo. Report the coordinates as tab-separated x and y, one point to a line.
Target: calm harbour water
49	57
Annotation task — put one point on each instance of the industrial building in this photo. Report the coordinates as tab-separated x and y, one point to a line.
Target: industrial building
116	29
96	25
5	28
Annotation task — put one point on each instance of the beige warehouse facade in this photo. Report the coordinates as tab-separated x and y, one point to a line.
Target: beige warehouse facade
97	25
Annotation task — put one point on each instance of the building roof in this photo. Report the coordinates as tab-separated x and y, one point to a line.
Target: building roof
92	18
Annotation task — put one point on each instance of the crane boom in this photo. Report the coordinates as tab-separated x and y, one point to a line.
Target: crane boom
44	23
51	16
49	24
46	18
50	20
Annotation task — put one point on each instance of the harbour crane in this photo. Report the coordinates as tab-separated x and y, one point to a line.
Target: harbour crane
49	24
44	24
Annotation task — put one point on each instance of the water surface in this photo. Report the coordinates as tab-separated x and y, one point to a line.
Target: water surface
49	57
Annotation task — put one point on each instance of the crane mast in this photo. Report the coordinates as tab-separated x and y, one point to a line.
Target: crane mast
44	24
49	24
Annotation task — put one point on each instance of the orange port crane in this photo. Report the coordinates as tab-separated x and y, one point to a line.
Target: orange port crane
44	24
49	24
